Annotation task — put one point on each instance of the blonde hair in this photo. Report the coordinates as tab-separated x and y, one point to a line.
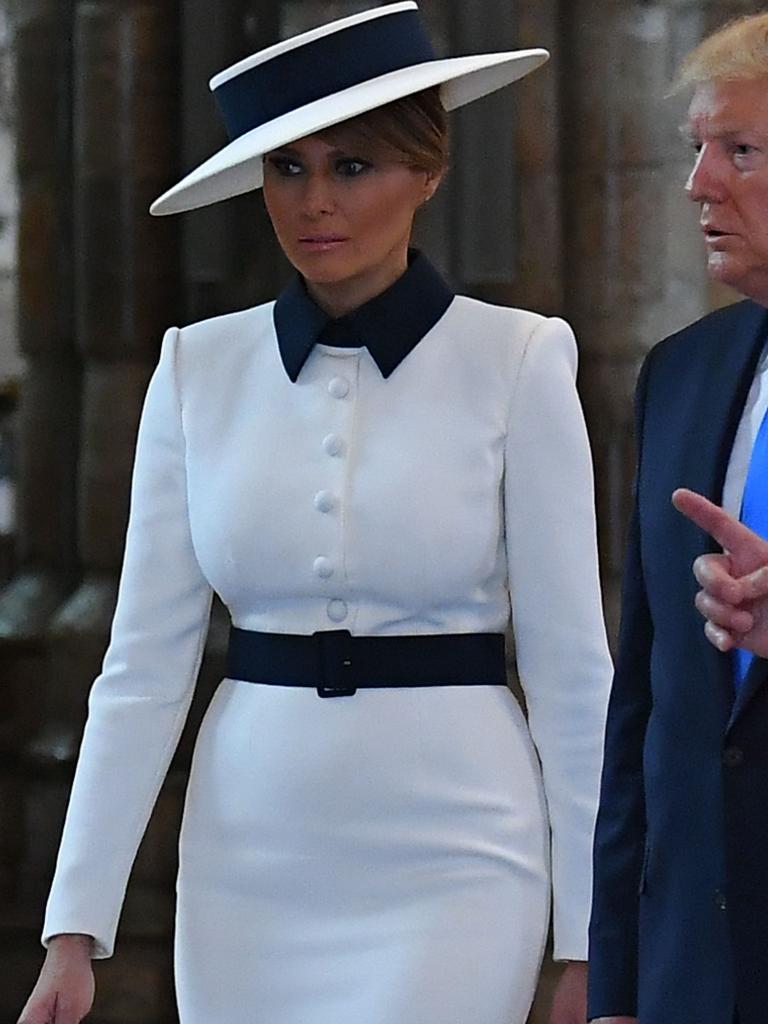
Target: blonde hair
738	50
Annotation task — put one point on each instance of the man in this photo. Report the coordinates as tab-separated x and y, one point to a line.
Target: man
679	931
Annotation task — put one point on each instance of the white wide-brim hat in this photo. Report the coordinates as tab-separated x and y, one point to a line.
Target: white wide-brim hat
322	77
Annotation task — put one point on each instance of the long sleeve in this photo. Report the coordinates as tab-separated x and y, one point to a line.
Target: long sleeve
621	824
562	652
139	702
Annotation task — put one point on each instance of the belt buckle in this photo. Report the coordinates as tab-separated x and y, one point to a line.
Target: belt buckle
336	663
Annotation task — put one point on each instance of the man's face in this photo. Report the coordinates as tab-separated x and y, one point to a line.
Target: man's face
728	127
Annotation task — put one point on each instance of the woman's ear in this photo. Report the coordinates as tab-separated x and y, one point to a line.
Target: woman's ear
431	184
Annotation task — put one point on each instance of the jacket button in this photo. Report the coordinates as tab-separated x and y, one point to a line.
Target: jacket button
337	610
720	900
323	501
339	387
322	567
733	757
333	444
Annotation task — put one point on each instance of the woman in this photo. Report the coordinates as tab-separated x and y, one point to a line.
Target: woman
366	471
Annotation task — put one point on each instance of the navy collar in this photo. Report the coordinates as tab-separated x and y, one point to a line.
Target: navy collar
390	325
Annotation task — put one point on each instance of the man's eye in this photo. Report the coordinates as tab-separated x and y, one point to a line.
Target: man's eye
743	149
350	168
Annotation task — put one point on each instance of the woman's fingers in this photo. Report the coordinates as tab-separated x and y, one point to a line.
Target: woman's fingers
37	1013
65	989
69	1011
62	1010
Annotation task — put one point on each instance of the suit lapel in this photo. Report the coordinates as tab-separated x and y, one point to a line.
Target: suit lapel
727	374
755	678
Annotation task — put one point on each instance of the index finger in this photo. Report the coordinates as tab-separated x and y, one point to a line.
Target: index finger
727	531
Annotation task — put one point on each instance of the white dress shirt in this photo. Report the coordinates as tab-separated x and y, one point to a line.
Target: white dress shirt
746	434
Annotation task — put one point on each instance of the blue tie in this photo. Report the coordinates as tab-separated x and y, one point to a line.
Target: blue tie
754	514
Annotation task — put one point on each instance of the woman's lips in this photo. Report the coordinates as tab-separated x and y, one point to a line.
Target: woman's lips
321	243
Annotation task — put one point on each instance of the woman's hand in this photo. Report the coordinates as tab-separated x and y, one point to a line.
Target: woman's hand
65	989
569	1004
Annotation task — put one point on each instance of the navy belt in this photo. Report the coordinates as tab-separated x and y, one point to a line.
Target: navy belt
336	664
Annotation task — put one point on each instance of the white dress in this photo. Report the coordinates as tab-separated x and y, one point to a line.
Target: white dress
384	858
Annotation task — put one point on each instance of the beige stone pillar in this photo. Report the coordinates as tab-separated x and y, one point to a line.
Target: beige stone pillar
634	269
46	551
126	288
47	435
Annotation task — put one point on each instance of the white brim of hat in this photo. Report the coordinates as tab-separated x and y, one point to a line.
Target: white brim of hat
237	168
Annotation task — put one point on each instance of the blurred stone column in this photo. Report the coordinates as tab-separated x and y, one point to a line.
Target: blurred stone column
634	267
537	280
49	412
11	364
126	278
230	257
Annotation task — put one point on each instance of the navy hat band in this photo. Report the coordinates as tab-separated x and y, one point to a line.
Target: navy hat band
321	68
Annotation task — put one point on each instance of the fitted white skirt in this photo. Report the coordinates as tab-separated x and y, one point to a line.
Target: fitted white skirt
374	859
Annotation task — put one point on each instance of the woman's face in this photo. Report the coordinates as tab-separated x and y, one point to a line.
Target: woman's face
343	217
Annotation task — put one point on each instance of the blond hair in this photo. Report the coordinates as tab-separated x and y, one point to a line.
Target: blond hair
738	50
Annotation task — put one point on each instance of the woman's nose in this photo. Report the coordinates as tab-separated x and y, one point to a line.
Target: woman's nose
318	198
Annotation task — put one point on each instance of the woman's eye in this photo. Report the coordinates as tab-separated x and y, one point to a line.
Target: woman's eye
351	168
284	166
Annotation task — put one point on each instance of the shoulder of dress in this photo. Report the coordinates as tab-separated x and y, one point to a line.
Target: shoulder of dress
509	333
509	321
224	342
244	323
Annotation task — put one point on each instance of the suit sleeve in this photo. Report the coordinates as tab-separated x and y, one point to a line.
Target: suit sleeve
562	652
621	823
139	702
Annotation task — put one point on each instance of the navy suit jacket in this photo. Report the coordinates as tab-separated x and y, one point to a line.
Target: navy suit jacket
679	930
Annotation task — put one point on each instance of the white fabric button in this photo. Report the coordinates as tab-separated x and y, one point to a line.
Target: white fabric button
323	501
337	610
322	567
339	387
333	444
